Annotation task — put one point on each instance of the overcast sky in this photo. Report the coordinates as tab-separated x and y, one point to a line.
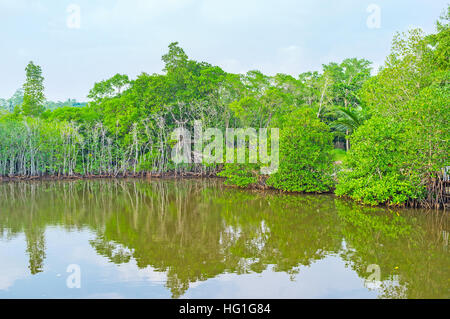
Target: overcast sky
129	36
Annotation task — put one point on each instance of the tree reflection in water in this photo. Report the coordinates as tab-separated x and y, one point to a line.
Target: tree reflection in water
196	229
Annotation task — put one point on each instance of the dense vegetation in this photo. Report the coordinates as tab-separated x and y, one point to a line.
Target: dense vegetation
309	170
399	152
394	126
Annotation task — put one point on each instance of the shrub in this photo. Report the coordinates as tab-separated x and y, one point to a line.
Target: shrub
305	154
241	175
375	168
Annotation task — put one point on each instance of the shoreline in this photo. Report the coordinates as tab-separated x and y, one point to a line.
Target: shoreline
190	175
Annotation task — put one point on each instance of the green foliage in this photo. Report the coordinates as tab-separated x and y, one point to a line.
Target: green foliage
50	105
240	175
305	154
349	119
109	88
440	41
13	102
338	154
380	149
405	144
69	114
33	98
30	146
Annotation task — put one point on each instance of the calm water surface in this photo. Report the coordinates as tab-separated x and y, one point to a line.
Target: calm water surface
197	239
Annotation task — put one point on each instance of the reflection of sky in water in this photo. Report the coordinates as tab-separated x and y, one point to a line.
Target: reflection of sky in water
326	278
99	277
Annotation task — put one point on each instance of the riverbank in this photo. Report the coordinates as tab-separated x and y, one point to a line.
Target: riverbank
260	186
118	176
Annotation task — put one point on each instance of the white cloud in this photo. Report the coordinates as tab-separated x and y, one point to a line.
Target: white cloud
10	274
13	267
130	272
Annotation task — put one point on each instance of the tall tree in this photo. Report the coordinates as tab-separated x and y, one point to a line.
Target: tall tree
347	79
33	99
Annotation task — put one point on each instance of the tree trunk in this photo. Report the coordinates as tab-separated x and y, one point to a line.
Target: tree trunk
347	141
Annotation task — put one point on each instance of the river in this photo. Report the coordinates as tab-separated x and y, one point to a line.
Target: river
196	238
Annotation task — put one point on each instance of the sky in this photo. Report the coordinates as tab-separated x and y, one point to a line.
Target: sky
80	42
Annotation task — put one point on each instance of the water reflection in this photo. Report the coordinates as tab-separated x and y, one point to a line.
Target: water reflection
195	230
